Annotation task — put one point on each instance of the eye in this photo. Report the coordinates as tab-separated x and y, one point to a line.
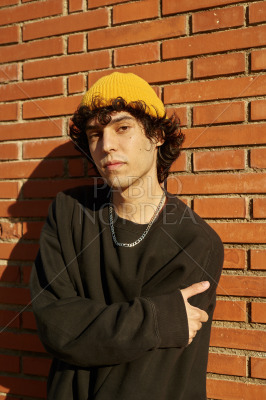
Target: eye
123	128
93	136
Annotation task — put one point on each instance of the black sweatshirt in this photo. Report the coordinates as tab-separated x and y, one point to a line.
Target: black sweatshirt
113	318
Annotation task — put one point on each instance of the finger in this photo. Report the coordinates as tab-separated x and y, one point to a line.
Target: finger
199	326
191	337
204	316
194	289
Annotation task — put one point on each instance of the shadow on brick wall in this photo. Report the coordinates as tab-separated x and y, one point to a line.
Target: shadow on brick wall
24	362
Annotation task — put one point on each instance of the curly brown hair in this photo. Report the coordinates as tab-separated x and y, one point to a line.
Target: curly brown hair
156	128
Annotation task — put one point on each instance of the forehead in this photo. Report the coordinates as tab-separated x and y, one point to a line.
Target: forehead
114	117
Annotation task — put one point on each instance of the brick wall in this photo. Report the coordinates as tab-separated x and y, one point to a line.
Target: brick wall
207	60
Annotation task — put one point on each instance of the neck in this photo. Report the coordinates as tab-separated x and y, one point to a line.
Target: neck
138	203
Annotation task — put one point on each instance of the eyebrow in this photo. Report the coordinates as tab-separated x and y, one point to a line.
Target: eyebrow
113	121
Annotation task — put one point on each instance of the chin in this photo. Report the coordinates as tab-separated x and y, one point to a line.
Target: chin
119	183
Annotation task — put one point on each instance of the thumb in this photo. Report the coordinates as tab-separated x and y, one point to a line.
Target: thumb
196	288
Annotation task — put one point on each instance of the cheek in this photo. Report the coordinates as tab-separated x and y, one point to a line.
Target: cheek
94	154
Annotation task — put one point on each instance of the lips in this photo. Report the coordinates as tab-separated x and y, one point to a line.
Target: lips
111	165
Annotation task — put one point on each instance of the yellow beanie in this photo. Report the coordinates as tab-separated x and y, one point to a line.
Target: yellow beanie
128	86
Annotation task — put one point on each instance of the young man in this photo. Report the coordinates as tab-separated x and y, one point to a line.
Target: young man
117	287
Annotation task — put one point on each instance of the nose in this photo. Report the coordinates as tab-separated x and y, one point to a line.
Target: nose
109	140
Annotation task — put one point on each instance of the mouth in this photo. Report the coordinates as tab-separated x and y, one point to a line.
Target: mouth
113	165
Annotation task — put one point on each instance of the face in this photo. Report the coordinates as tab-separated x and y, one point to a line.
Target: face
121	152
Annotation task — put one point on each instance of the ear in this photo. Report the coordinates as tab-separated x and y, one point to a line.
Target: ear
160	138
159	142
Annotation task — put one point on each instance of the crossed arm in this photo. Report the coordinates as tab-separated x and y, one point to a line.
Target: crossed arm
85	332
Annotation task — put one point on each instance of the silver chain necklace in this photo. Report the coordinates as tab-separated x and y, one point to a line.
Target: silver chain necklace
111	221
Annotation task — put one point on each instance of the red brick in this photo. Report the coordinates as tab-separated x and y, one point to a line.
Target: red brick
257	12
140	10
21	341
219	160
49	148
231	135
258	312
239	285
36	366
8	319
76	167
12	295
140	53
27	90
218	19
152	73
172	7
9	35
10	230
220	207
4	397
26	272
230	311
219	113
8	73
259	208
30	130
180	112
51	188
32	229
234	258
180	164
245	38
23	387
76	84
227	364
258	60
257	259
25	51
19	251
75	5
9	273
9	363
32	169
249	339
9	190
219	184
8	112
27	12
8	151
218	389
258	367
157	89
8	2
67	64
99	3
137	33
258	158
241	232
258	110
76	43
24	208
51	107
28	320
225	64
66	24
214	90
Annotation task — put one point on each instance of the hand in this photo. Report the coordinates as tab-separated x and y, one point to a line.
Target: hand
195	315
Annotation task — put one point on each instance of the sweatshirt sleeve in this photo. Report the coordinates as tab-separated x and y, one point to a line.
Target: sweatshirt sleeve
85	332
